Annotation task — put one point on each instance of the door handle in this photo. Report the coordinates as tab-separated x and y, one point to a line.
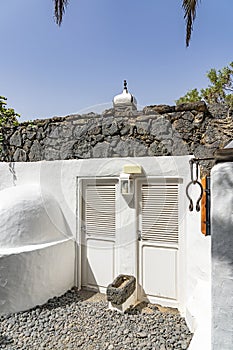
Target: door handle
139	236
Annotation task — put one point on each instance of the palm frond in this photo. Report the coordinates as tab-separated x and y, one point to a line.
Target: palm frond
190	9
59	10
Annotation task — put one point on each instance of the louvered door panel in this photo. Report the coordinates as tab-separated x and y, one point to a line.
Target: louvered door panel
160	212
100	210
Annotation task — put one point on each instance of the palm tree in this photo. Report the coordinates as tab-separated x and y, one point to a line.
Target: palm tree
59	10
189	7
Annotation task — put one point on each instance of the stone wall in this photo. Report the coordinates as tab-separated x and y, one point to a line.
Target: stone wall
157	130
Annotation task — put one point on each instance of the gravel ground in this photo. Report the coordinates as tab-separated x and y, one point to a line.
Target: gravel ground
81	320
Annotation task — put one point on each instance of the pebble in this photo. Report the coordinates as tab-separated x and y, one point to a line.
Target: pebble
71	322
141	335
162	347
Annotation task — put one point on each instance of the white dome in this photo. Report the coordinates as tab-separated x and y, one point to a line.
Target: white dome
30	216
125	99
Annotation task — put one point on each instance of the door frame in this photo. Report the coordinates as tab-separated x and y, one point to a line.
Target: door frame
79	249
181	258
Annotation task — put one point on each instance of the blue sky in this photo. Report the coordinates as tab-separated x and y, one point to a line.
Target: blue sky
48	71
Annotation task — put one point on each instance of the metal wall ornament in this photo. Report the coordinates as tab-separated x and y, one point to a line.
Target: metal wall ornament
204	196
194	165
220	155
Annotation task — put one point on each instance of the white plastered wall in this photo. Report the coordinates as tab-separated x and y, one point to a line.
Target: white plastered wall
222	255
32	276
60	179
198	293
36	248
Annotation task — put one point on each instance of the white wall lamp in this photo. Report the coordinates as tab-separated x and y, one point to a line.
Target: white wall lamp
126	180
126	184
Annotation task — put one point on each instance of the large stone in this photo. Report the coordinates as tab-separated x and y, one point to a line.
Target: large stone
51	154
80	131
39	133
102	150
108	112
161	128
66	131
54	131
204	151
30	134
143	127
16	139
153	148
121	289
161	109
198	120
82	150
20	155
95	129
218	110
52	142
110	128
27	146
179	147
124	148
61	131
187	116
184	128
66	150
199	106
125	129
35	152
114	140
163	148
139	149
211	135
73	117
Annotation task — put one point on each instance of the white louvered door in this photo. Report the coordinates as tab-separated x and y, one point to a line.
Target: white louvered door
158	239
98	233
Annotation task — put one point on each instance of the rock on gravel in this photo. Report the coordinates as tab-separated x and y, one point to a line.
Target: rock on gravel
75	321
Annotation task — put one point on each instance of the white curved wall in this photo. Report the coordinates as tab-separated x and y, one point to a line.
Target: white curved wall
31	278
30	216
222	256
37	251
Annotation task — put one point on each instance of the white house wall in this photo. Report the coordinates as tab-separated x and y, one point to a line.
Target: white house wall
222	255
60	179
198	279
